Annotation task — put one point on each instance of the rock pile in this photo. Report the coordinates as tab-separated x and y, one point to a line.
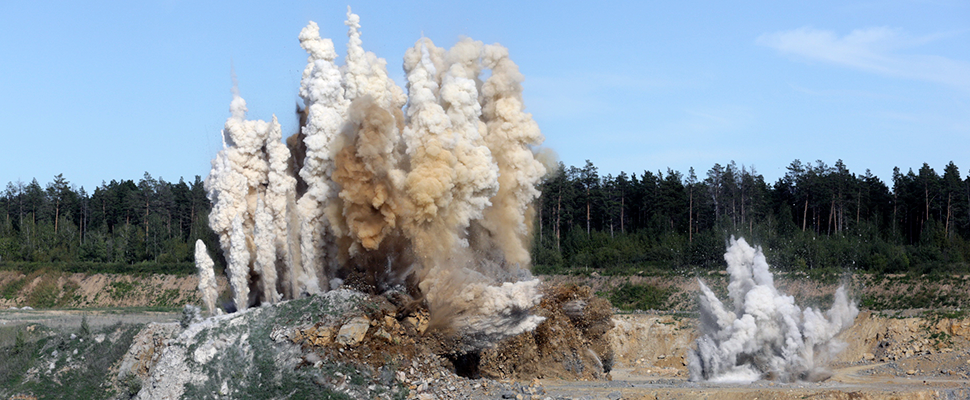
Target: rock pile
572	342
370	346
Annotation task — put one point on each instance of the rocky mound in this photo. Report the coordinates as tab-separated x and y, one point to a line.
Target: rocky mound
571	343
346	344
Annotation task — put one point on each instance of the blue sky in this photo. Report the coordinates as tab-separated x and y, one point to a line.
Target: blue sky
110	90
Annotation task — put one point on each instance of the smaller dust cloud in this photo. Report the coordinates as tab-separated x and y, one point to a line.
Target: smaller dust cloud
765	335
207	277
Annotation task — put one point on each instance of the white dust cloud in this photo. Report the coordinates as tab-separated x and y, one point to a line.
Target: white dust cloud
207	277
427	192
765	335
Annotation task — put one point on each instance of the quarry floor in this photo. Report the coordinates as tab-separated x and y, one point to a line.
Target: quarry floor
848	383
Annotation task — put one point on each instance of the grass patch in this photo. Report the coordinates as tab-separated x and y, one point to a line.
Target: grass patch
951	314
168	299
631	297
10	290
121	289
49	293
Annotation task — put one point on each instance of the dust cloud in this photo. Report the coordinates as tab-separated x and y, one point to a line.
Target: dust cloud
765	335
426	191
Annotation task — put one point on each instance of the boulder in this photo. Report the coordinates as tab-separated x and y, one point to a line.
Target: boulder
353	331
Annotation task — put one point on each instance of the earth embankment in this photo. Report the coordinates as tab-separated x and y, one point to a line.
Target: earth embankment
54	289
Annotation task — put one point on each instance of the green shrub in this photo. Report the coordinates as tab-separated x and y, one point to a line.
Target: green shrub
85	330
131	385
46	293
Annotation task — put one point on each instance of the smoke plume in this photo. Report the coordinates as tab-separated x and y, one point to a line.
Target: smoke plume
428	193
765	335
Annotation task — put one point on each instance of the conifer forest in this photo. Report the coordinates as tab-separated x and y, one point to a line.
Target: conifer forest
817	217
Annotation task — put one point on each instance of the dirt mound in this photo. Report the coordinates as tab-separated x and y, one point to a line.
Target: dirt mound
572	342
926	345
349	344
873	291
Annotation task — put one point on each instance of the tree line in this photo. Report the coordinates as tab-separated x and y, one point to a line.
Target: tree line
121	222
816	217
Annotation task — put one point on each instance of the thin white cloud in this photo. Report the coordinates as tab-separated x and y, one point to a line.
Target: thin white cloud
879	50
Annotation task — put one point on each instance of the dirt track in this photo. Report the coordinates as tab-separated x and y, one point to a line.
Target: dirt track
71	319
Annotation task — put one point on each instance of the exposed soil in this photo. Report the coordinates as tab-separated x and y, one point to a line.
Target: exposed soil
46	289
70	320
887	357
873	291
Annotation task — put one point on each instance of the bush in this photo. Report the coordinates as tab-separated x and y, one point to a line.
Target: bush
85	330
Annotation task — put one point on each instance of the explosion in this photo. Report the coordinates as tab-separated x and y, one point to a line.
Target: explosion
766	335
428	193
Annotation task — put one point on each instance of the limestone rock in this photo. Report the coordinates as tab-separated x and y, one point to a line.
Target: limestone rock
353	331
